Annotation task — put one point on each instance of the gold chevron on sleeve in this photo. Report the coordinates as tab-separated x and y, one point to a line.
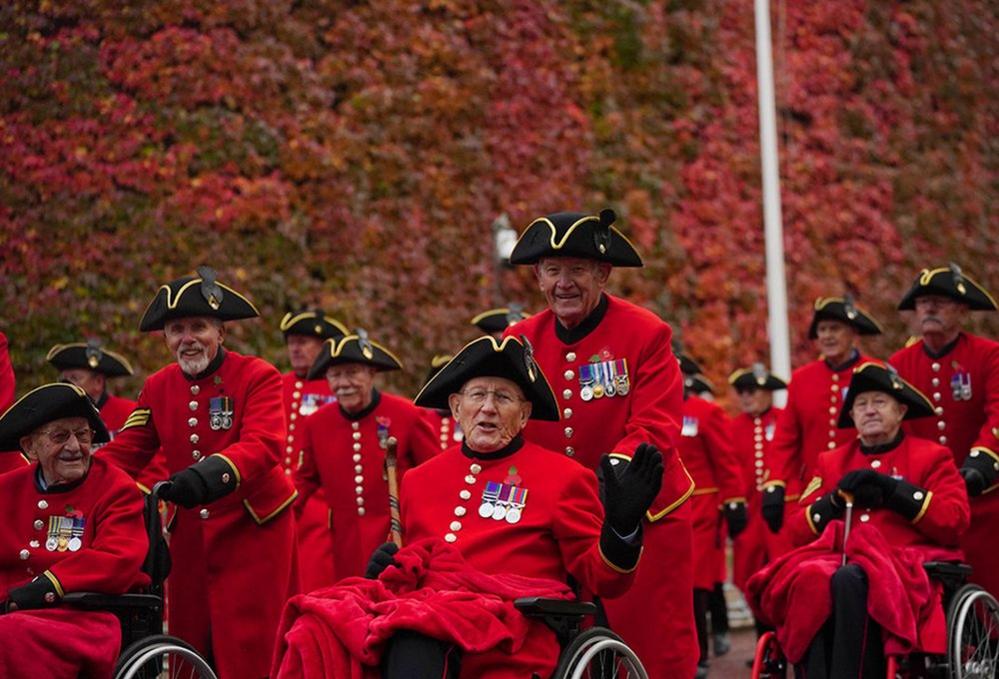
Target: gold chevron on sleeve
139	418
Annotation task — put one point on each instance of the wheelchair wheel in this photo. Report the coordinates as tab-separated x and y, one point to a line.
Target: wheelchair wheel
162	657
598	653
973	634
769	661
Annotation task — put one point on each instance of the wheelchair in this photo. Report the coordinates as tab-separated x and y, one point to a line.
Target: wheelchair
147	652
972	636
594	653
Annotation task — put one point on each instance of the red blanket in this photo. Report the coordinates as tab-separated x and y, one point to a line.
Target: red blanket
340	631
59	643
793	592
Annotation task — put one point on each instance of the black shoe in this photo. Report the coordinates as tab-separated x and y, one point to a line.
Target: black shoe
702	670
721	643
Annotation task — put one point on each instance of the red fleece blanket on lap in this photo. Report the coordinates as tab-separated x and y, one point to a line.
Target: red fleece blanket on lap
340	631
59	643
793	593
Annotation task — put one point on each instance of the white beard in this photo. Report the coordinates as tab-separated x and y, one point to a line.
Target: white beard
193	366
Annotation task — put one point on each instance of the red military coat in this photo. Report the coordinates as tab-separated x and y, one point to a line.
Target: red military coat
710	458
114	413
446	427
752	440
633	344
343	455
963	385
315	523
98	544
233	559
807	426
556	532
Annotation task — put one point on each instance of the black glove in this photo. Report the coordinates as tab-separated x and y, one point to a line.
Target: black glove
629	493
773	507
737	517
38	593
828	507
979	471
868	488
201	483
381	559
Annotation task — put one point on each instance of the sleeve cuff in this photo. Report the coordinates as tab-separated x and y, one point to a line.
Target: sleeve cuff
219	474
909	500
986	462
820	513
56	585
619	554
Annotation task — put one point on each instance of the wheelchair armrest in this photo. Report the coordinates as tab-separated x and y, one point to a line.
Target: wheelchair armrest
535	606
947	570
96	601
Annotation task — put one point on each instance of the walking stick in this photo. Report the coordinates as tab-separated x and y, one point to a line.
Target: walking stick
847	520
395	522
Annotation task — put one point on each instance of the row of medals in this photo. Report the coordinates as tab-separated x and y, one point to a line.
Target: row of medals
501	510
63	536
612	385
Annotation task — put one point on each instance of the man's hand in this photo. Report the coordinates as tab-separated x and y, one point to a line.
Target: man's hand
974	481
736	516
629	493
202	483
381	559
38	593
185	488
979	471
867	487
772	507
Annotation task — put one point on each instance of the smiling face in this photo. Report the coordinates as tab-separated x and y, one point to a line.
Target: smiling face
194	341
877	416
62	449
835	340
572	286
302	352
754	401
352	384
491	412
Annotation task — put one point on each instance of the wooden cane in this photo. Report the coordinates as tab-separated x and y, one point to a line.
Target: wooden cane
395	522
847	519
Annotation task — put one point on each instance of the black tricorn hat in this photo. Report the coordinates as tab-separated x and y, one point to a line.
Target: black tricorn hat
698	384
574	234
312	322
90	356
842	309
44	404
949	282
755	377
353	348
688	366
876	376
511	359
199	295
498	320
436	364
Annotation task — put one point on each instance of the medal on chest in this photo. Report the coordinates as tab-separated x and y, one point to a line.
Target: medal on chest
768	432
313	402
690	426
220	412
66	532
960	383
504	501
604	378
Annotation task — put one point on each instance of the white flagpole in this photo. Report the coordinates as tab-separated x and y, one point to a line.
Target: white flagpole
780	350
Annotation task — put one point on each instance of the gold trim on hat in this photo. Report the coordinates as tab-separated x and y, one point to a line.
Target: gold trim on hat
172	301
78	390
59	348
822	302
565	237
290	320
927	275
336	347
492	312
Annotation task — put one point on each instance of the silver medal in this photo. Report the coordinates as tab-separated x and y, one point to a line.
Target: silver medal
75	544
486	510
586	393
513	516
51	544
499	512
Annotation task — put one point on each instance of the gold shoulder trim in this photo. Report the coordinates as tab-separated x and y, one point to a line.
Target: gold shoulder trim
261	521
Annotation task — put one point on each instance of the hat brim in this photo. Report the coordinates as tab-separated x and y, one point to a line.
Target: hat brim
44	404
183	299
542	239
348	349
874	377
863	322
488	357
975	297
72	356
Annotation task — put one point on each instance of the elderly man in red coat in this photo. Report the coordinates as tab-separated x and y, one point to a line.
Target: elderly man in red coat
807	426
960	372
617	384
72	523
909	507
304	334
517	513
219	418
343	446
90	366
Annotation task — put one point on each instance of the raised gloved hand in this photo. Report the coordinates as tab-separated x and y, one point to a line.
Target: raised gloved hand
867	487
630	488
772	507
979	471
736	516
381	559
38	593
201	483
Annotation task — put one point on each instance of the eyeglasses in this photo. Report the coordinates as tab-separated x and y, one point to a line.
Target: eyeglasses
347	373
61	436
501	398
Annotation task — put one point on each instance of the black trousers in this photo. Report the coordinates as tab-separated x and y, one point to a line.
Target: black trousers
718	609
849	645
701	598
411	655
